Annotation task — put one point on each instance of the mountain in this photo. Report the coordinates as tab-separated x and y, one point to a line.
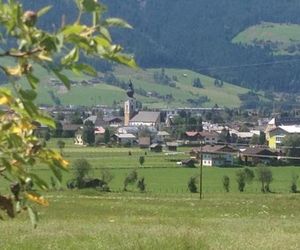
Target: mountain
198	35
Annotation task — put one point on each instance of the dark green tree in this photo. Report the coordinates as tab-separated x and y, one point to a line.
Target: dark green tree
106	136
88	133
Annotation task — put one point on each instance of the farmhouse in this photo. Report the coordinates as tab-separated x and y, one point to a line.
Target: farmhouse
254	155
215	155
155	147
124	139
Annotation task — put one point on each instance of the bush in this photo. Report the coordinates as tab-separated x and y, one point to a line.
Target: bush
265	176
226	183
131	178
142	160
294	188
141	184
241	180
192	184
81	169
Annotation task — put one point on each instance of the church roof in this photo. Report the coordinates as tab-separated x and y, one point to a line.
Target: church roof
146	116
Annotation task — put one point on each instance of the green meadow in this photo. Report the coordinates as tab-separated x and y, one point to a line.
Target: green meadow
104	94
283	38
166	216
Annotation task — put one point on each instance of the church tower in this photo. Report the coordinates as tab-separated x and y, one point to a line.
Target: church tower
129	110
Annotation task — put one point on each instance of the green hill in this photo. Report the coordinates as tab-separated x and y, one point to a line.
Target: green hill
281	38
101	93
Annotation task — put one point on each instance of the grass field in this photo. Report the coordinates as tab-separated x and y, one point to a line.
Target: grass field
104	94
282	38
166	216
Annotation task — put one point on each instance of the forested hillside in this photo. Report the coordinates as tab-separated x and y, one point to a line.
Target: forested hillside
198	35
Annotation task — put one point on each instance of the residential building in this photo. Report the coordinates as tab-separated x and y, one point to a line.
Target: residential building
255	155
216	155
276	135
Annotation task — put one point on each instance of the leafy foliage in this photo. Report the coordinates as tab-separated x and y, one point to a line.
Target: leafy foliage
57	52
226	183
131	178
265	176
192	186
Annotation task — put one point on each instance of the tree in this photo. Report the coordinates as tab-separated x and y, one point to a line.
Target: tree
265	176
81	169
226	183
295	178
131	178
142	160
254	140
243	177
292	142
61	145
88	133
106	136
192	186
241	180
141	184
19	148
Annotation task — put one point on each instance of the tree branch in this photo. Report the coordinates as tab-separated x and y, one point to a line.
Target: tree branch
21	54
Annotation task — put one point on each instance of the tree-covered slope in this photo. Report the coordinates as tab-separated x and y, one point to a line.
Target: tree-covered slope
198	35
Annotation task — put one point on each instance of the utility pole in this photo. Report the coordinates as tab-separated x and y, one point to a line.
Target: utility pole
200	174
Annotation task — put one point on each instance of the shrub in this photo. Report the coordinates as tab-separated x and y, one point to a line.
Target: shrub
141	184
294	188
142	160
131	178
241	180
81	169
226	183
265	176
192	184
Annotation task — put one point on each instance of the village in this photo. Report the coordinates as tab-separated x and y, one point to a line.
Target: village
225	143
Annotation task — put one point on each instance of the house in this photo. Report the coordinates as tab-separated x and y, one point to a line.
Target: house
215	155
254	155
155	147
124	139
144	142
78	140
172	146
204	137
113	121
209	137
69	130
146	118
162	136
276	135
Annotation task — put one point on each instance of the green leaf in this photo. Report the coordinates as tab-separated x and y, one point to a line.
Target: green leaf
33	81
123	59
71	57
73	29
65	80
33	216
92	6
45	120
44	10
117	22
30	108
104	32
28	94
39	182
86	69
57	172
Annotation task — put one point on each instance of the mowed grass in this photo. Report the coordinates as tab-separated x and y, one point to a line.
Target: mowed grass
166	216
280	35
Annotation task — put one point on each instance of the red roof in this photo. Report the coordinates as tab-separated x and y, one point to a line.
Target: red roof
191	133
